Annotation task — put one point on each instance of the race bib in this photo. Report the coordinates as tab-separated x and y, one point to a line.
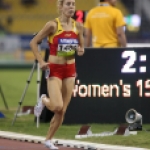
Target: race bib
67	47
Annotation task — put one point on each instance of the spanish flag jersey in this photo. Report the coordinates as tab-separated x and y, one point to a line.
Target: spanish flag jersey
103	21
63	43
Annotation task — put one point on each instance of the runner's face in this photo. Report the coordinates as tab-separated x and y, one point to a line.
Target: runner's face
68	8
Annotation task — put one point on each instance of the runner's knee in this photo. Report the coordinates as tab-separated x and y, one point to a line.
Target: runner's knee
58	108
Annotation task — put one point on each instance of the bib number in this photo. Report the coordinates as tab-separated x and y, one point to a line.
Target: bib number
67	47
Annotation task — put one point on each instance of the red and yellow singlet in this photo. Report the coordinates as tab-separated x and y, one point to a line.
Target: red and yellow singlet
63	43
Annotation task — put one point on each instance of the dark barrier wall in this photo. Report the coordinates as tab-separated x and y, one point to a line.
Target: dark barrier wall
110	82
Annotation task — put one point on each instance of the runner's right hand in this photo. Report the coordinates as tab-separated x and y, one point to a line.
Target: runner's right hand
44	65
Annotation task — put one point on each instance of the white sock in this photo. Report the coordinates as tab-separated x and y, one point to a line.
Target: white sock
49	144
48	141
43	95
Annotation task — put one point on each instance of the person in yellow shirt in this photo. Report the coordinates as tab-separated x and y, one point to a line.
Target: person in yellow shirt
104	24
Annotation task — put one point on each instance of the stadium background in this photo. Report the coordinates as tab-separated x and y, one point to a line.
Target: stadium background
20	19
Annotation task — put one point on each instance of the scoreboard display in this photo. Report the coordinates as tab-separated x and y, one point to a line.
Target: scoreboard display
110	82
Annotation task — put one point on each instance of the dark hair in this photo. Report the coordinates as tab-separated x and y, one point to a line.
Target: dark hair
102	0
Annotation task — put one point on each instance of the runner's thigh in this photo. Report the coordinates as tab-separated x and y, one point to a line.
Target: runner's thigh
54	86
67	87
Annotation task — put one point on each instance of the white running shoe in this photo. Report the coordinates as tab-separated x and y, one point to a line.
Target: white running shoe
50	145
39	106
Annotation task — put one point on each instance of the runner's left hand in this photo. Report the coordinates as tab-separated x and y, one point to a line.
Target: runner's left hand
80	51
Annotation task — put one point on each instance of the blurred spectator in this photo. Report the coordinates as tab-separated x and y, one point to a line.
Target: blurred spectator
28	2
4	5
3	29
9	20
105	25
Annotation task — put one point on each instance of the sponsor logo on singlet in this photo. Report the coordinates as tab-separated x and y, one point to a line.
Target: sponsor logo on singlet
68	41
67	35
67	47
